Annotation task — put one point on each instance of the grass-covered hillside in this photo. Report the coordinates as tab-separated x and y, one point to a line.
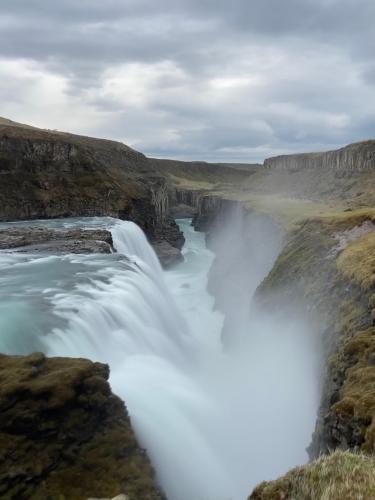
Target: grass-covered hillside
205	176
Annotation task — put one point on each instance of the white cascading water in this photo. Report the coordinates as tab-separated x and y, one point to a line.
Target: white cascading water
214	423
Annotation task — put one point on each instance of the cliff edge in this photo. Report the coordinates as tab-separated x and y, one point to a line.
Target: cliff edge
64	435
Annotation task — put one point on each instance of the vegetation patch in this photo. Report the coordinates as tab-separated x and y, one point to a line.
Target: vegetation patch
357	261
341	475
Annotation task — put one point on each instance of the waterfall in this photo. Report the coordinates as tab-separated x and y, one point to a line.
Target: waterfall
214	422
130	240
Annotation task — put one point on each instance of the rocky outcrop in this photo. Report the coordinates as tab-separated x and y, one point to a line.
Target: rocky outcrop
38	239
357	157
47	174
64	435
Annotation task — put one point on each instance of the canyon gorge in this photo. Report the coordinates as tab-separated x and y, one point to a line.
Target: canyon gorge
184	330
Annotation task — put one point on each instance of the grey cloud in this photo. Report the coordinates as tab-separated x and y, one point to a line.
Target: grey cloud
313	60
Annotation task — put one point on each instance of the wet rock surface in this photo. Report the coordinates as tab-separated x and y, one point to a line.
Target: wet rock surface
37	239
64	435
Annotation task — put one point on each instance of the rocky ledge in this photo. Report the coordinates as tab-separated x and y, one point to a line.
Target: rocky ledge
38	239
64	435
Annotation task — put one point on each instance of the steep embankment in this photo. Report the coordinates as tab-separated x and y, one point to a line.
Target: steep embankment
328	264
64	435
48	174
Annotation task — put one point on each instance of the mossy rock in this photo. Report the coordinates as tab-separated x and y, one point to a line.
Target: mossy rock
64	435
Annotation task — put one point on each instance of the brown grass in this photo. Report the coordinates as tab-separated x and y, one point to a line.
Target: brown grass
339	476
357	261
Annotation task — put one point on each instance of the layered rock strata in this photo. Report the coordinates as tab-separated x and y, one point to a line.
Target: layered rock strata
357	157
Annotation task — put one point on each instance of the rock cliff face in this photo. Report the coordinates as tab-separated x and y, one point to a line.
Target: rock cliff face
357	157
210	209
183	202
47	174
325	269
64	435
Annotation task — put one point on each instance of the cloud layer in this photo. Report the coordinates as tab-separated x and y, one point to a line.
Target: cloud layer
193	79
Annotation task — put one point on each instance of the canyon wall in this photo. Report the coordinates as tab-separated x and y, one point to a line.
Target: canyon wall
46	174
357	157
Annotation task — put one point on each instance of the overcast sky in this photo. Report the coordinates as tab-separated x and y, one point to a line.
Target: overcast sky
193	79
